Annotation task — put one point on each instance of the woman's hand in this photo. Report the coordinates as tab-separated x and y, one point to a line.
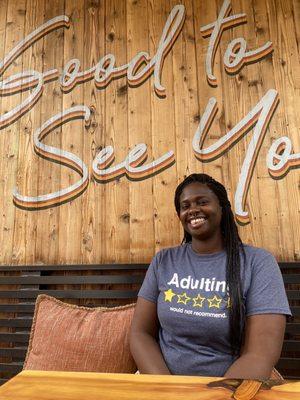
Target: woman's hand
143	339
264	335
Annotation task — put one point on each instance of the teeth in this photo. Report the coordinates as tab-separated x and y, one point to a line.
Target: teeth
197	221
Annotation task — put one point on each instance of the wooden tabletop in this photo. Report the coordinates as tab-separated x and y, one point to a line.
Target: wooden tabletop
43	385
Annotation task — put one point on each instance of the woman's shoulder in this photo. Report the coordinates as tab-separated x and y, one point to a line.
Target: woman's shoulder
258	257
256	251
172	251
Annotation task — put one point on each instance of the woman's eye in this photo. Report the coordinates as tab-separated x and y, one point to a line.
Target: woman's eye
184	206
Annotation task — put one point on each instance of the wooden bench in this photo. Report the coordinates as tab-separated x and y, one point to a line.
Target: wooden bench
101	285
86	285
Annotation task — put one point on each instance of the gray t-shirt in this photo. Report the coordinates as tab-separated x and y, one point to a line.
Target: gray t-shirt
193	303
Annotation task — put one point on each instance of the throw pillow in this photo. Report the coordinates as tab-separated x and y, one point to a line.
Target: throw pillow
66	337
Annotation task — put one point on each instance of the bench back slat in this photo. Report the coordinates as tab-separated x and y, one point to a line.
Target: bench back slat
69	279
291	345
74	267
14	337
16	322
295	311
27	307
69	294
289	363
14	352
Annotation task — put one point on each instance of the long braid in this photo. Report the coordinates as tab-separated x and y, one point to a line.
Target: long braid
233	246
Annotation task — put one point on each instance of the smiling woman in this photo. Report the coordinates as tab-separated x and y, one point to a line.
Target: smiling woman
235	329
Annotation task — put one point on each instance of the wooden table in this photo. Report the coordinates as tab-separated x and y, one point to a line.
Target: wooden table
37	385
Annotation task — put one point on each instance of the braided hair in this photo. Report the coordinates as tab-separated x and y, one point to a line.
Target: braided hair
233	245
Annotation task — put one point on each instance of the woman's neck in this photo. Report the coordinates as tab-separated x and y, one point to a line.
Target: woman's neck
209	246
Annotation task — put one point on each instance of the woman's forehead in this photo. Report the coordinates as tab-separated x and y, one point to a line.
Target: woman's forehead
195	189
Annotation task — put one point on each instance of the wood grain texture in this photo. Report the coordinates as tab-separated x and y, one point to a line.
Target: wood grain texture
128	220
30	385
141	211
15	31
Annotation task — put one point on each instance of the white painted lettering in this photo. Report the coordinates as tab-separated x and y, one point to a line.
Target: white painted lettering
259	116
57	155
280	158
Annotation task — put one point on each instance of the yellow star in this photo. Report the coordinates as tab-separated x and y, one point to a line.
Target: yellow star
198	301
169	294
214	302
183	298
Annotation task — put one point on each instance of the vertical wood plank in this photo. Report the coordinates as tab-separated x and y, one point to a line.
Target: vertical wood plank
15	24
139	131
285	123
186	101
70	216
163	133
3	136
25	226
206	13
92	204
99	46
116	219
49	172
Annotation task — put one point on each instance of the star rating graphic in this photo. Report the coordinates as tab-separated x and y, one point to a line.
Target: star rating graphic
228	303
198	301
214	302
169	294
183	298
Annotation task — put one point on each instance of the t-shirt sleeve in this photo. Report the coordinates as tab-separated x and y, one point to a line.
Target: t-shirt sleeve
149	289
266	293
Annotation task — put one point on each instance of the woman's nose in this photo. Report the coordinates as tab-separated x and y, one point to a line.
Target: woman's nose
194	208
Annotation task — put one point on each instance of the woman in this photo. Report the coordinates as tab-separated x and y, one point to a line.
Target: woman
212	306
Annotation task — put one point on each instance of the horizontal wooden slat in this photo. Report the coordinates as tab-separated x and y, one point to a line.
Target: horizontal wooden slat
12	367
28	308
288	363
291	345
9	337
17	308
286	265
70	279
19	352
291	377
293	294
289	278
16	322
293	328
86	267
70	294
295	311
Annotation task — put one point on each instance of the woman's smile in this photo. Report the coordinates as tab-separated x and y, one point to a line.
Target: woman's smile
197	222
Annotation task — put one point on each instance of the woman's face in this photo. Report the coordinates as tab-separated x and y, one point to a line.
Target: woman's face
200	212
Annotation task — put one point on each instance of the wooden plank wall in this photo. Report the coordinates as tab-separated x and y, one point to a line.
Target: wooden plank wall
127	220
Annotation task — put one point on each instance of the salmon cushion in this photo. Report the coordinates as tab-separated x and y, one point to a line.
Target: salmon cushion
66	337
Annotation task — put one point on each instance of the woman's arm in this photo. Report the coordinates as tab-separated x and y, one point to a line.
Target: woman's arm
264	335
143	339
